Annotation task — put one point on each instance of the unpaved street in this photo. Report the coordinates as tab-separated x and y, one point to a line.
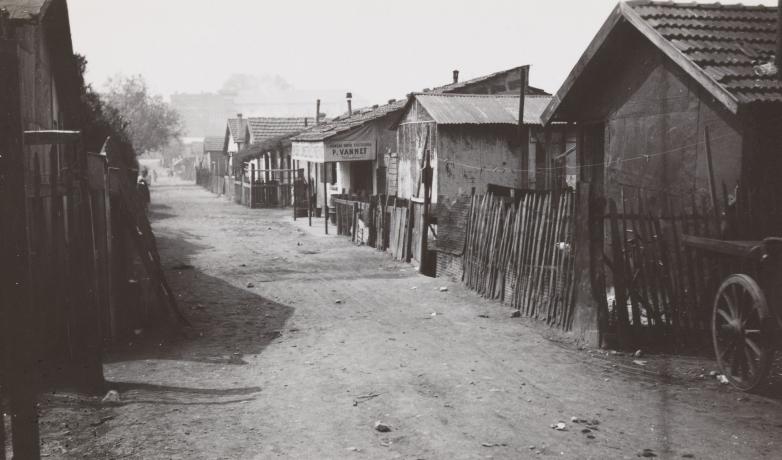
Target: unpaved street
302	341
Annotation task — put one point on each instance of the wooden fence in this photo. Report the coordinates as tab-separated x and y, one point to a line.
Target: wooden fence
656	286
522	253
386	223
268	188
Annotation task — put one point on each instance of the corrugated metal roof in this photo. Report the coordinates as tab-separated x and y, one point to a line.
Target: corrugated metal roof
726	41
24	10
263	128
214	144
473	109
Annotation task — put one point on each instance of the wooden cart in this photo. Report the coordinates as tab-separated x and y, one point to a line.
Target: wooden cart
747	313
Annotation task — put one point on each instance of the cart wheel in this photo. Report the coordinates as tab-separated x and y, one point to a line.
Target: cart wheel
739	329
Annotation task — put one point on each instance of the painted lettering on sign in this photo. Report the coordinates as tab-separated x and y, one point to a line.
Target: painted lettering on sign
350	151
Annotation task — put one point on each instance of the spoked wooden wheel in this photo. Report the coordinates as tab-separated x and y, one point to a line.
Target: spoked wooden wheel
739	329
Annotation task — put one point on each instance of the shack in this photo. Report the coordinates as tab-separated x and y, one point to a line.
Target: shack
476	144
214	165
348	152
677	108
264	175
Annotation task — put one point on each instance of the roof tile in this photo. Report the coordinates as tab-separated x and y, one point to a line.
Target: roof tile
726	41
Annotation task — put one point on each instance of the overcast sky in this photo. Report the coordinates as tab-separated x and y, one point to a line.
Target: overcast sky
376	49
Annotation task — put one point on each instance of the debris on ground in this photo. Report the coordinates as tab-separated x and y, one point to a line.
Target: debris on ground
443	289
648	453
638	353
483	316
493	444
102	420
515	314
250	285
112	397
639	362
338	301
382	427
364	398
559	426
722	379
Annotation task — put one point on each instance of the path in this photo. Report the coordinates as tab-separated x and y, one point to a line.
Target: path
303	341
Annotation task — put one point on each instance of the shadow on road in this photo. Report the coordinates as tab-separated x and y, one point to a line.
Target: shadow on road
228	322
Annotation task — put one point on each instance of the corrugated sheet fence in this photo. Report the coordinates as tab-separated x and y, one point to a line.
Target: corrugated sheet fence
522	253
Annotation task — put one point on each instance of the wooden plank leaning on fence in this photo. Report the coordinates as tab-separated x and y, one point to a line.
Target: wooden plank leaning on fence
144	241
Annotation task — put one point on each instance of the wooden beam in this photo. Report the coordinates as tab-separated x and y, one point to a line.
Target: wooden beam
724	247
50	137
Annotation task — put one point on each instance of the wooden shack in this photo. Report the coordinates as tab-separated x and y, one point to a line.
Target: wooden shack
678	112
475	143
236	137
263	170
348	151
213	165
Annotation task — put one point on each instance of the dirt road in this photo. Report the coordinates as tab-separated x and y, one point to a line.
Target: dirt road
303	341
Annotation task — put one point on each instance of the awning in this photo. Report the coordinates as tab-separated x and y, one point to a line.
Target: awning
357	145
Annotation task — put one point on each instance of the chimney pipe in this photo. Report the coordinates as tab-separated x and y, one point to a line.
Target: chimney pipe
778	55
456	73
239	116
317	112
349	97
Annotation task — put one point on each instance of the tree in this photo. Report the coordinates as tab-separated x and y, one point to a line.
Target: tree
101	121
150	122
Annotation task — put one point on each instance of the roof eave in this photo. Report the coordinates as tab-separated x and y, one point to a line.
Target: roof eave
583	61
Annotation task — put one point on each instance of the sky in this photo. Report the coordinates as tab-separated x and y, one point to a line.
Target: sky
375	49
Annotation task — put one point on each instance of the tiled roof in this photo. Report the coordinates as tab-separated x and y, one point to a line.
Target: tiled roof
237	127
345	123
263	128
728	42
459	86
214	144
473	109
24	9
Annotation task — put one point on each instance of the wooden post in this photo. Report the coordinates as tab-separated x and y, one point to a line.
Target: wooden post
424	244
712	182
309	194
325	199
523	138
618	271
16	307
